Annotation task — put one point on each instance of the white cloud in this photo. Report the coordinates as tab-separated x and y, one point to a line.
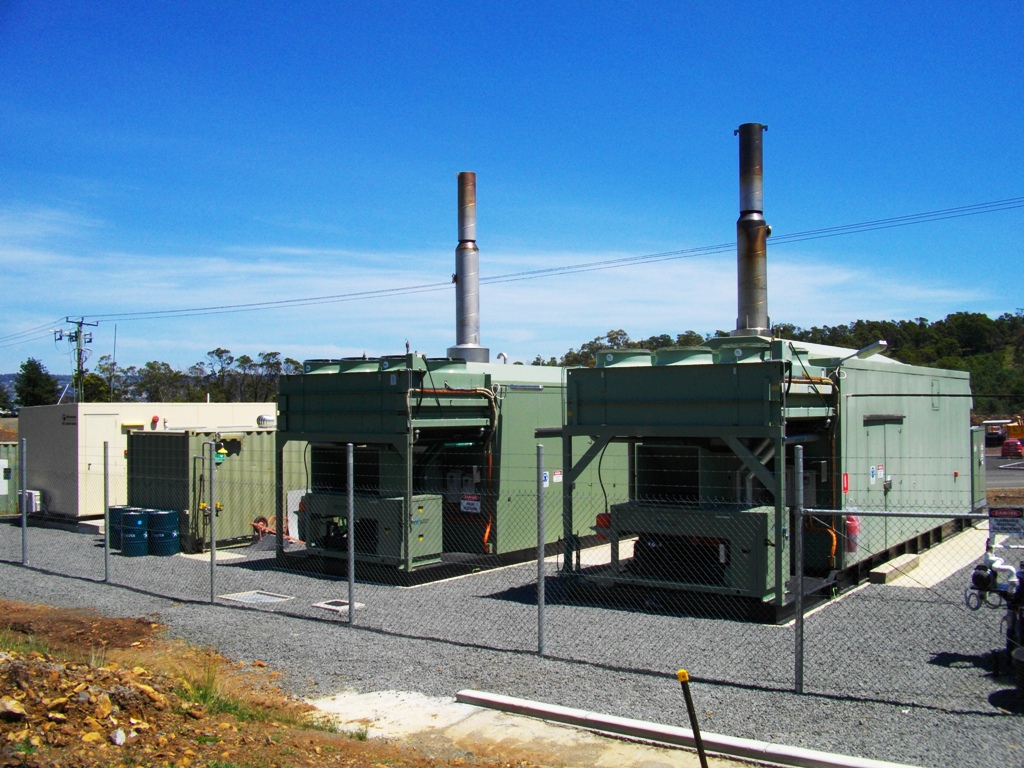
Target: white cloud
35	224
523	318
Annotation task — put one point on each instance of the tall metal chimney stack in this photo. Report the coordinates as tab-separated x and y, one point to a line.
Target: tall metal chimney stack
467	278
751	237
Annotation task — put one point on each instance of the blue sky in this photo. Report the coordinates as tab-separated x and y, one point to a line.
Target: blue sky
172	155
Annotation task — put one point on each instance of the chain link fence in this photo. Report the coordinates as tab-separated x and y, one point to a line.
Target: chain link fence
878	601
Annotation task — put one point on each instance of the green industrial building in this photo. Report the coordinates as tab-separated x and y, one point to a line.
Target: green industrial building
444	456
710	433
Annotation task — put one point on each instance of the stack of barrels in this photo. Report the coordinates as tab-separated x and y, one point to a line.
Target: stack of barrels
137	531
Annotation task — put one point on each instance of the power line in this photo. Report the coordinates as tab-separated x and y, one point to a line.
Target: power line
256	306
36	332
593	266
26	340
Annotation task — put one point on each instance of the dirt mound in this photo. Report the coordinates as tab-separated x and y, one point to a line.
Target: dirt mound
79	690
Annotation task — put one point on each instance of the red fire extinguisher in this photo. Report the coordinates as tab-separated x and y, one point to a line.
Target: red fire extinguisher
852	532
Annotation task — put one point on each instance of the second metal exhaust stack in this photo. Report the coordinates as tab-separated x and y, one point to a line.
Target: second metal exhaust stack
751	237
467	279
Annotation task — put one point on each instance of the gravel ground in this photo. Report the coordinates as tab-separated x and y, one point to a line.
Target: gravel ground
891	673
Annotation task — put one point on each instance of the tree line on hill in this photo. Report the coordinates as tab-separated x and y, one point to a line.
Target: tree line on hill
221	378
991	350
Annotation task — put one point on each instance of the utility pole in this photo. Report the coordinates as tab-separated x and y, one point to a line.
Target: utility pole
79	338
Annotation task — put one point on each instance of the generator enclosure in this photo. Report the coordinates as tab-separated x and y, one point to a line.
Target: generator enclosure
444	456
709	433
171	471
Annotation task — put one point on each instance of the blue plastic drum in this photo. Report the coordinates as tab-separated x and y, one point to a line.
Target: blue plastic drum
163	532
115	525
134	533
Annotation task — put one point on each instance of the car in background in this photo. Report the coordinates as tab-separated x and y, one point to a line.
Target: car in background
1012	448
994	435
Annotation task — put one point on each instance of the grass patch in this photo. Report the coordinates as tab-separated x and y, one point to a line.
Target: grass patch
98	657
319	721
205	690
359	734
19	642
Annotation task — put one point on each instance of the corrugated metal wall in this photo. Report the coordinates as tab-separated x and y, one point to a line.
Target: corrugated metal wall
9	479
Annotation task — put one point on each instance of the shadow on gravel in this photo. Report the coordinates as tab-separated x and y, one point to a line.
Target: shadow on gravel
660	602
961	660
1009	699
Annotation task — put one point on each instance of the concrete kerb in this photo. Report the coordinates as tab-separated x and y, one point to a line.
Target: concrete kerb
726	746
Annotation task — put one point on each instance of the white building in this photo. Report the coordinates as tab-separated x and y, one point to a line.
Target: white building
64	445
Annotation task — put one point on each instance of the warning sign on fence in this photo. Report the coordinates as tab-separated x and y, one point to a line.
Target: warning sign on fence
1009	520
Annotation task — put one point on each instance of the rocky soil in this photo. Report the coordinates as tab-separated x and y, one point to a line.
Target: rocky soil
79	690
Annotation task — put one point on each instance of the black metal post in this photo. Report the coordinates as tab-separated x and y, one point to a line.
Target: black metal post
350	524
684	680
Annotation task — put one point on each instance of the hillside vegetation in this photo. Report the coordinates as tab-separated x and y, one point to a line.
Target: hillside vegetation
991	350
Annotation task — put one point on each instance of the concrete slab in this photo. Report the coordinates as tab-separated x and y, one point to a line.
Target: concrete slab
91	527
759	752
222	556
602	555
443	726
942	561
892	570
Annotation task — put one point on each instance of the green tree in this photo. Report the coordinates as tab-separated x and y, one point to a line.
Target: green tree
586	355
689	339
245	380
34	385
538	360
116	380
94	389
158	382
220	374
268	371
5	399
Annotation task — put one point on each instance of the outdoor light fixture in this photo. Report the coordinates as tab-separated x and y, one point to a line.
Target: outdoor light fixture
871	349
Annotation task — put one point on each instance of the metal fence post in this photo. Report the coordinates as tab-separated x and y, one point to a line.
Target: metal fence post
350	525
106	511
798	544
540	550
23	499
213	523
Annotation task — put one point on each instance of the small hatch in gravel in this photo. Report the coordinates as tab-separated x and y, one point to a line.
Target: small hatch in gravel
338	606
257	597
